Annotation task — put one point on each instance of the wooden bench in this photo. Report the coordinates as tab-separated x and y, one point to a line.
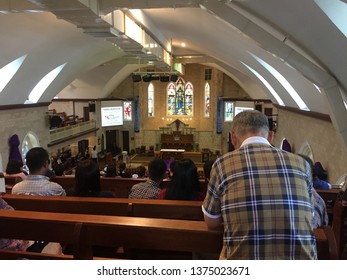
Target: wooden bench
85	231
120	187
338	224
331	194
172	209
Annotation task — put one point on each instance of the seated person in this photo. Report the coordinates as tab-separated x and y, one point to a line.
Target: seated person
36	183
122	171
184	184
140	172
11	244
87	178
320	216
110	170
151	188
25	245
59	169
14	168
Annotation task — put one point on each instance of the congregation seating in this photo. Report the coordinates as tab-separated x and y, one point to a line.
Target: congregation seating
108	214
172	209
120	187
85	231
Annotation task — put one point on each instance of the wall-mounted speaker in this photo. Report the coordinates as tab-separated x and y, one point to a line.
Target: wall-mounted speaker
91	107
164	79
174	78
147	78
136	78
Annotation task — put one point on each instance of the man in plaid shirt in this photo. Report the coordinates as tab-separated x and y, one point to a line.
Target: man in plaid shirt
262	196
151	188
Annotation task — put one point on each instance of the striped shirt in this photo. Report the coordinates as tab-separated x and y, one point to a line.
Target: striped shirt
38	185
263	195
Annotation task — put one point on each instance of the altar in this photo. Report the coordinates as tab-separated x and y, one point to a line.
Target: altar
171	154
181	139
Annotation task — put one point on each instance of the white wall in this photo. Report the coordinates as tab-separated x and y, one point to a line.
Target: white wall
20	122
326	144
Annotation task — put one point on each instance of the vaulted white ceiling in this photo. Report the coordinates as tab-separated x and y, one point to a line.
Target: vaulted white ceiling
249	40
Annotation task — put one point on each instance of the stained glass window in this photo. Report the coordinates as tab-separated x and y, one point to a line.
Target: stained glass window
228	112
127	110
150	100
180	98
207	100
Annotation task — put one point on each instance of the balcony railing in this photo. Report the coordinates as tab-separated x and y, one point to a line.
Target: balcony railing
69	131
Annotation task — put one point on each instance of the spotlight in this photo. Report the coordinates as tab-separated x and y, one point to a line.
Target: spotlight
164	79
174	78
136	78
147	78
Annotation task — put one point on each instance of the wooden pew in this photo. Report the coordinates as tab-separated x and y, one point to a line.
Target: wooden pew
70	204
120	187
85	231
338	223
331	194
171	209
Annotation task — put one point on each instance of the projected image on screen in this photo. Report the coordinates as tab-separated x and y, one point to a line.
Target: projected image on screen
111	116
241	109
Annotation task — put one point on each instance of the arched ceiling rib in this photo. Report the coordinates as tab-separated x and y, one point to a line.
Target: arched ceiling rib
298	40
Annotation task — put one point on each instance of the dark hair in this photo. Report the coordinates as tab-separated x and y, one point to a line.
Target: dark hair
110	170
156	169
87	178
59	169
122	166
36	158
141	171
185	183
13	166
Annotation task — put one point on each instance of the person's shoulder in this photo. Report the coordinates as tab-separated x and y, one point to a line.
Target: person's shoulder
4	205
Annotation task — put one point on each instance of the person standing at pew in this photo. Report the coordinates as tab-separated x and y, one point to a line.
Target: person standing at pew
151	188
87	177
261	195
36	183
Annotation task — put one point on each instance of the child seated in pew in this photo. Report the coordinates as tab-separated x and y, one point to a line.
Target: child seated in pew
87	176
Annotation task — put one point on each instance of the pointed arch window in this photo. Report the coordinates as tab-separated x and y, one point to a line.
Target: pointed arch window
180	98
150	100
228	111
207	100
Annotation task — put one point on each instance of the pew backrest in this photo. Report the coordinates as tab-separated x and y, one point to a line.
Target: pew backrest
120	187
171	209
85	231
